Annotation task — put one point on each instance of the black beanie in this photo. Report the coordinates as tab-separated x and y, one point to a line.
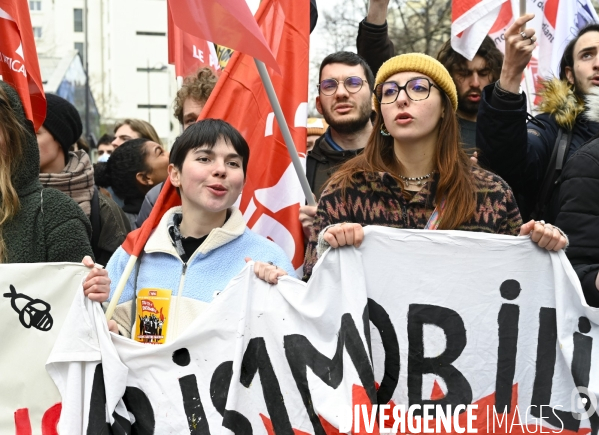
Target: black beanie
63	122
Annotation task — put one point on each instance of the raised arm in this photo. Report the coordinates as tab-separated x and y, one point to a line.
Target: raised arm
373	41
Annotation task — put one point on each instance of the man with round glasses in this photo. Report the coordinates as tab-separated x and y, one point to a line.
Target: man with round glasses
345	87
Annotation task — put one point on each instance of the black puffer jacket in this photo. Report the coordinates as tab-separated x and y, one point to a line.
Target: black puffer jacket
519	152
579	212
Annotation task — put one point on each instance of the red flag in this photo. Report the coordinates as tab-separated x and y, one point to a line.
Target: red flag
471	20
272	195
18	58
224	22
187	52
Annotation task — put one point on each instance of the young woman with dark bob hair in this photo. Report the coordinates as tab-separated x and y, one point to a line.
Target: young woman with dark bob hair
414	173
198	247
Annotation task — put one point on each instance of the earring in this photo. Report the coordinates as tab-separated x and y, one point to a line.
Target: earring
384	131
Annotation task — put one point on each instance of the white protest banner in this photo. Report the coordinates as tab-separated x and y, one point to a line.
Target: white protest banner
491	326
34	301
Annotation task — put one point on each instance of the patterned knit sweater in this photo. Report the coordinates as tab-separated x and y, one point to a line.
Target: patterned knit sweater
377	199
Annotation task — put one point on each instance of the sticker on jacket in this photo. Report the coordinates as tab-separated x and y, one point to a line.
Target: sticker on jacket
153	306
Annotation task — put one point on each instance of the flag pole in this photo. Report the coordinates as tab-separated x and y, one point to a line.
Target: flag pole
120	287
276	106
523	12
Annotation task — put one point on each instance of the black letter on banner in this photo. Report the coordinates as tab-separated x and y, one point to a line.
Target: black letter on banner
459	391
301	355
376	314
96	422
194	410
545	366
509	314
219	390
581	365
256	359
137	403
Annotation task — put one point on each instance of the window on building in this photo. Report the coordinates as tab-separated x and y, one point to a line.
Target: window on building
35	5
79	48
142	33
37	32
78	19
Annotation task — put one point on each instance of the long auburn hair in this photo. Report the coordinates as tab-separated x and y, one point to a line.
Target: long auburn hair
456	183
12	140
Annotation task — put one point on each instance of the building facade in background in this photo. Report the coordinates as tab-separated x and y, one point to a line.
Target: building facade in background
127	55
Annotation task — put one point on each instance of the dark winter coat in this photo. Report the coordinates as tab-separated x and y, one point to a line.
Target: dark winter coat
579	211
322	162
519	152
374	45
50	226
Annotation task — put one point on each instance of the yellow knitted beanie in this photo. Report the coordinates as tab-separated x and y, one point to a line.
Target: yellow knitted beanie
422	63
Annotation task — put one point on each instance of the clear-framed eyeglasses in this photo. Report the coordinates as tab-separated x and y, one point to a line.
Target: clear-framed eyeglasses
329	86
417	89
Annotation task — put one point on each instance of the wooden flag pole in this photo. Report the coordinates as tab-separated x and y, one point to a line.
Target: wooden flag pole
120	287
522	12
276	106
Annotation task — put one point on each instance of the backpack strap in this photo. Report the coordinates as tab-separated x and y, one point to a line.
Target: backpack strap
95	221
554	170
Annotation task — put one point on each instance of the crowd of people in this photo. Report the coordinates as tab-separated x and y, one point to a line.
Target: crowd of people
405	141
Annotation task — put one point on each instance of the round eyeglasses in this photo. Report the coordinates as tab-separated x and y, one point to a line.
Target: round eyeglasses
416	89
329	86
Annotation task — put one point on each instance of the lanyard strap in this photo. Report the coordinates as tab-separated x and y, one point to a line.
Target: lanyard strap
435	220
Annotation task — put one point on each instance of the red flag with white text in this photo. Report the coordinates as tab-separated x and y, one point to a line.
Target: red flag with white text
224	22
188	52
471	20
272	195
556	22
18	58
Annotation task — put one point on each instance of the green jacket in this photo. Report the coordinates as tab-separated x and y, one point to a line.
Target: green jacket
50	226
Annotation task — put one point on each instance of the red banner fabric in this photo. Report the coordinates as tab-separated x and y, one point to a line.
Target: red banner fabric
224	22
272	195
188	52
18	58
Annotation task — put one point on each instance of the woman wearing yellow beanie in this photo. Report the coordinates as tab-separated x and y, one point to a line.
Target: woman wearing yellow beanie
413	172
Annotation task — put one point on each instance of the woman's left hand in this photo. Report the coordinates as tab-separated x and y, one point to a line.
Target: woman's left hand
545	235
266	271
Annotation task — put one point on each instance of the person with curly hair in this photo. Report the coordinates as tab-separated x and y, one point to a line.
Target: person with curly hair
192	96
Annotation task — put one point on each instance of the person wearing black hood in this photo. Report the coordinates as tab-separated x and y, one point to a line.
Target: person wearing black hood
36	224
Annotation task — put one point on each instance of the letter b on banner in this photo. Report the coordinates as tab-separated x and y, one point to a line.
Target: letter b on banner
459	391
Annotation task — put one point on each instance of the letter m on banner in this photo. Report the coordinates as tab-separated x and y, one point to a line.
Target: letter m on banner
272	195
